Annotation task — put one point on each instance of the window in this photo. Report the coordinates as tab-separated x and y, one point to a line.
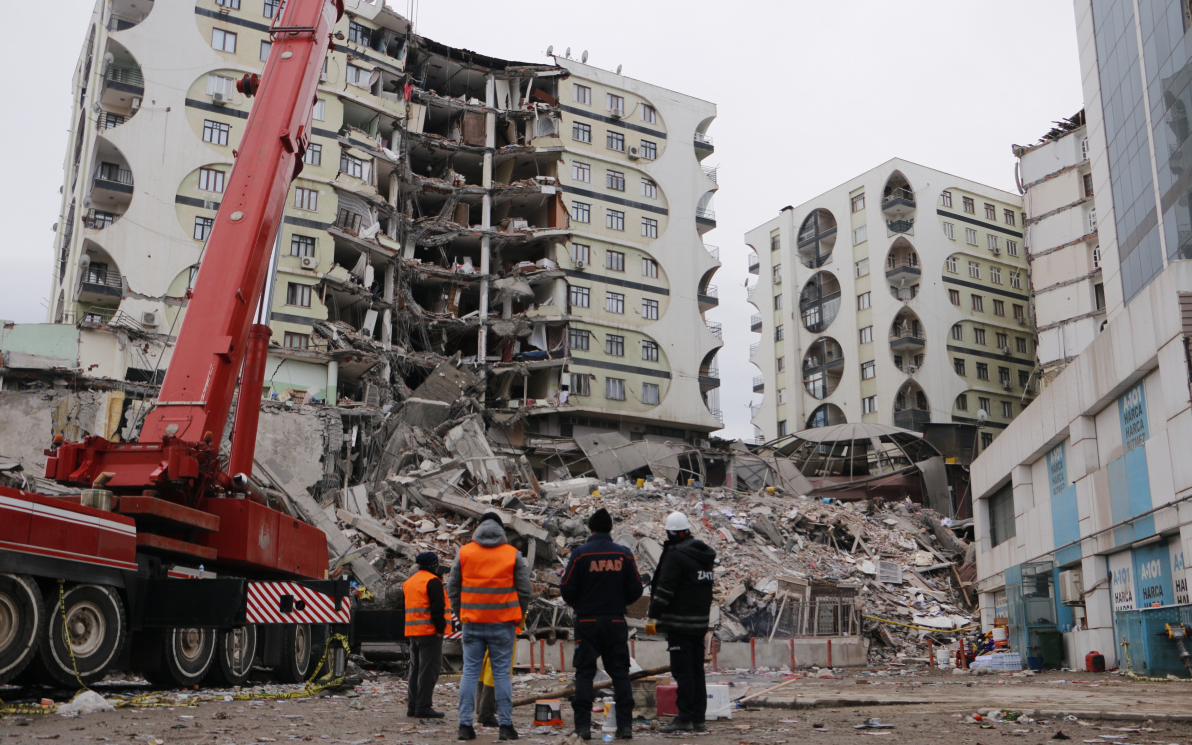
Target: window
354	166
779	333
297	294
950	264
581	94
970	236
112	120
969	206
649	150
863	267
990	211
1008	216
579	297
614	180
306	199
233	4
649	351
983	404
211	180
358	33
775	241
193	275
614	389
868	370
578	339
581	384
614	220
860	235
614	260
974	270
958	332
581	212
1099	295
581	132
358	76
649	227
781	427
348	220
614	345
1020	345
979	336
1088	184
781	395
869	405
950	231
220	84
776	274
866	335
297	341
314	154
999	308
223	41
1011	248
1002	340
1024	377
995	275
581	172
302	245
946	198
270	8
649	189
650	393
216	132
614	302
203	228
649	268
780	364
1016	280
581	253
1003	375
778	301
615	141
859	202
1007	407
958	365
649	309
962	402
266	46
983	372
649	114
863	301
978	303
991	242
615	103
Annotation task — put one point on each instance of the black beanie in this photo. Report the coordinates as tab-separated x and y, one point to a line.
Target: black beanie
600	521
492	516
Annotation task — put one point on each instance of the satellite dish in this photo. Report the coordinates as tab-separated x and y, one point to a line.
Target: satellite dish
550	50
109	58
84	261
567	54
584	57
618	69
982	415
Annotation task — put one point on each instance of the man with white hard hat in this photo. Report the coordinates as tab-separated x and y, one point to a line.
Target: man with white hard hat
681	601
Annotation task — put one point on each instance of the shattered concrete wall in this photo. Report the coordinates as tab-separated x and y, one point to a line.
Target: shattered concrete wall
300	438
28	421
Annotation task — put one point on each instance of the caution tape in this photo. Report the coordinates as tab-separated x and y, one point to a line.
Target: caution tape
922	628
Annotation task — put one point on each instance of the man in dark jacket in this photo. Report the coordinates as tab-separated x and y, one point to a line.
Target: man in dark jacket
681	600
427	612
600	580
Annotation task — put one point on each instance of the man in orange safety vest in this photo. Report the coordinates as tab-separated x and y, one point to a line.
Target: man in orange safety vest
427	611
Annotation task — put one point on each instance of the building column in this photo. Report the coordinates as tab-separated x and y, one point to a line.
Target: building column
332	383
490	141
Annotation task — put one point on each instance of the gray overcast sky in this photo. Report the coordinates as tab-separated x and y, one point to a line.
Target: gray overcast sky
810	94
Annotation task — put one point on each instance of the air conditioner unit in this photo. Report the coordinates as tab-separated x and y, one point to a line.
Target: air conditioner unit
617	113
309	262
219	98
1005	350
778	279
136	103
149	318
1072	587
996	251
579	265
1008	386
911	369
1021	320
635	152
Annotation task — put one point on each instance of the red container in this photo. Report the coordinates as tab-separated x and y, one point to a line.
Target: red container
1094	662
668	700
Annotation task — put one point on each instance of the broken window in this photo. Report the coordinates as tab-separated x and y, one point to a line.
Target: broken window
297	341
979	336
358	33
215	132
650	393
223	41
302	245
615	104
990	211
354	166
578	339
649	351
649	189
614	389
649	228
614	345
298	294
581	172
614	180
969	205
306	199
950	232
649	150
203	228
313	155
348	220
614	220
580	297
358	76
614	302
581	254
581	94
614	260
581	212
649	114
581	384
615	141
649	268
581	132
211	180
946	198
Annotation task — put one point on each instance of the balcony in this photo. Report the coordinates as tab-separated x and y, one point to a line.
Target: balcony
717	330
898	269
710	172
898	202
912	342
709	297
903	227
705	216
911	417
127	79
98	219
753	348
755	322
100	284
816	239
713	251
120	23
108	120
759	383
128	13
830	361
703	145
755	264
113	178
715	412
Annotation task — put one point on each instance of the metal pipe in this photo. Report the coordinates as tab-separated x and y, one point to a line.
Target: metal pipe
248	405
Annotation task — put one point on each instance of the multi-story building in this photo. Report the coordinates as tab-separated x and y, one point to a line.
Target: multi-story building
899	297
1056	180
1082	517
542	223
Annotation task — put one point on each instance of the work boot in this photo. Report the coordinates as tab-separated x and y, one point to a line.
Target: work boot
700	726
430	714
466	732
678	725
584	733
624	733
507	732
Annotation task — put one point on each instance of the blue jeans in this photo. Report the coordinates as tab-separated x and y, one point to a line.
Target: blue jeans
497	639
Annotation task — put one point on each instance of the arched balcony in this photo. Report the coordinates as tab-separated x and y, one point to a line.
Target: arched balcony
823	366
819	302
816	239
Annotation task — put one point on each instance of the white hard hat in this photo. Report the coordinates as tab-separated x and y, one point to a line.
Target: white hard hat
677	521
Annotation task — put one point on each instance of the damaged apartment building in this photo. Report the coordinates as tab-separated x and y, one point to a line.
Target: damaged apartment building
537	226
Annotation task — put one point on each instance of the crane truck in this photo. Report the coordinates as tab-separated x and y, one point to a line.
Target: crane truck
167	561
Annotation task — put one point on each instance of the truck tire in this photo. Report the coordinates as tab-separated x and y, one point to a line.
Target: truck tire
235	651
186	655
96	627
297	648
22	614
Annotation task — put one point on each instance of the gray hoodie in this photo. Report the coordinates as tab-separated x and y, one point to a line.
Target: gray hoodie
490	535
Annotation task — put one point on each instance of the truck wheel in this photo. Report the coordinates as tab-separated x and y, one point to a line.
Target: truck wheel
187	654
297	644
96	629
235	650
21	616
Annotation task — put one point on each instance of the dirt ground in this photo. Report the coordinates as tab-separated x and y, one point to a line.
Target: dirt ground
924	706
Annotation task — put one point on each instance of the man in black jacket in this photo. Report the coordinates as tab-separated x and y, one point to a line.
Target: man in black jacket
681	600
600	580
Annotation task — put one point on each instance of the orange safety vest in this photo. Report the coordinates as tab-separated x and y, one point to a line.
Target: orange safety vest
418	621
487	593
